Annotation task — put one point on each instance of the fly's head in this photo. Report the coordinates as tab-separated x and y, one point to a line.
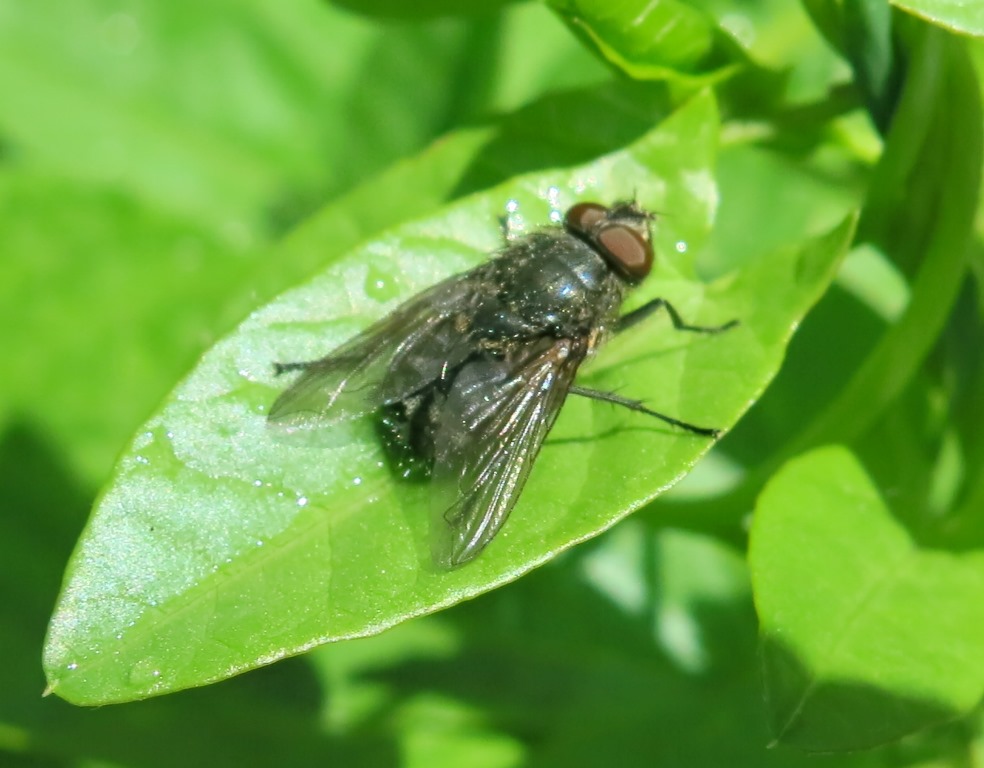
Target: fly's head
620	234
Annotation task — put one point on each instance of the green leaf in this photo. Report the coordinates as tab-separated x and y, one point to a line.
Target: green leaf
102	283
220	546
956	15
862	30
920	211
871	50
668	39
561	129
868	634
301	101
397	9
847	372
143	118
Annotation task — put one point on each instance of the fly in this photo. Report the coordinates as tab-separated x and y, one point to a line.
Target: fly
466	379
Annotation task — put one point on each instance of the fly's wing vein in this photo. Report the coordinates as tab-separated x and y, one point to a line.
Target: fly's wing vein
495	419
346	383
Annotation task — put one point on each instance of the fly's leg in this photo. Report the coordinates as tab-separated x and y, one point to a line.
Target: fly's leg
504	228
633	318
281	368
640	314
636	405
508	229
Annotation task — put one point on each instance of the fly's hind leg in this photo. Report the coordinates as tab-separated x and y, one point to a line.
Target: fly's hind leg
281	368
636	405
633	318
650	307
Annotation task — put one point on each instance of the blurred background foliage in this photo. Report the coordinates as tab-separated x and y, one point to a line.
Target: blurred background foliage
154	159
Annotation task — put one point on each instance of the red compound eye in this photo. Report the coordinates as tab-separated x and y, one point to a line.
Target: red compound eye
583	217
626	250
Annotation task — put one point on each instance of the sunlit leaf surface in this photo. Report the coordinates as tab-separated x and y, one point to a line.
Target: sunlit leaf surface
964	16
857	612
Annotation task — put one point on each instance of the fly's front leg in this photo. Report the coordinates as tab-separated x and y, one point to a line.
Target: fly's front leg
512	227
504	227
640	314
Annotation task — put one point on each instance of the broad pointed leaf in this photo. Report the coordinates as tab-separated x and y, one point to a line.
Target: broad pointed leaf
221	545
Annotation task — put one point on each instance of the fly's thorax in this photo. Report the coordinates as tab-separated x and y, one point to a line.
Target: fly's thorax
552	283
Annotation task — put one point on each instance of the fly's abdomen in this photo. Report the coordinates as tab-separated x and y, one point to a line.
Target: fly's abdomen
406	431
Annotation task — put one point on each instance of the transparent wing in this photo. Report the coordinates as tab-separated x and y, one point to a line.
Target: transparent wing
348	382
494	420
